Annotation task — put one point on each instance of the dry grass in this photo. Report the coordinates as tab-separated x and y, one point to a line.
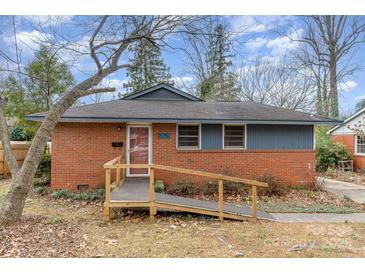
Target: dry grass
181	235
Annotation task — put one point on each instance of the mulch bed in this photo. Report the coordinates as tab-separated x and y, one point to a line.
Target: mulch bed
35	237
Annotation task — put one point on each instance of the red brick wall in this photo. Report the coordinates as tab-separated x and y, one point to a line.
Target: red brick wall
348	141
79	151
293	167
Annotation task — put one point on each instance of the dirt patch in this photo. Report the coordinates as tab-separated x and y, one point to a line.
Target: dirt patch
37	236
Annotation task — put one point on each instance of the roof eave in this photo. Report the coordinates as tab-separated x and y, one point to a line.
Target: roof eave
172	120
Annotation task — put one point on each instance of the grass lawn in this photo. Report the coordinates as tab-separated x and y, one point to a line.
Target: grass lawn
75	229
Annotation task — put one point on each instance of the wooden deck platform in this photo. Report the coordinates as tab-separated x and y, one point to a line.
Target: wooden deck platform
134	192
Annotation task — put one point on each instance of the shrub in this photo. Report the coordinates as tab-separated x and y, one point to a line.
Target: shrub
87	196
42	190
18	134
62	194
159	187
275	186
41	181
182	188
234	187
44	168
209	188
328	153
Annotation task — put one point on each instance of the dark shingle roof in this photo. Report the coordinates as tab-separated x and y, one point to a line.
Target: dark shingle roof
181	111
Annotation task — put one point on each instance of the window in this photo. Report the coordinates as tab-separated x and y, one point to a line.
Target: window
234	136
188	136
360	144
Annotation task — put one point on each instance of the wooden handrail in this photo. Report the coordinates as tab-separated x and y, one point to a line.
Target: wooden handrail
190	172
117	164
112	162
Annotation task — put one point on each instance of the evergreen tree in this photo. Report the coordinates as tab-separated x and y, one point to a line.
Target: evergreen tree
148	67
221	84
48	78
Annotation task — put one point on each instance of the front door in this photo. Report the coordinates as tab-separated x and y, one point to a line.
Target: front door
138	149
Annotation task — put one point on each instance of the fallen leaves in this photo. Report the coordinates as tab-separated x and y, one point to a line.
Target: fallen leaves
35	237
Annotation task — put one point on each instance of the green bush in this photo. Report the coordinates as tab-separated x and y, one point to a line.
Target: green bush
182	188
42	190
275	186
18	134
159	187
44	167
328	152
41	181
62	194
87	196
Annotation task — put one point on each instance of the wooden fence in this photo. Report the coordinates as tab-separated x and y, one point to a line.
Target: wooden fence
20	150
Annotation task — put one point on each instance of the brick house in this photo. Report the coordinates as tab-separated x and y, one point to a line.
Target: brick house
354	143
164	125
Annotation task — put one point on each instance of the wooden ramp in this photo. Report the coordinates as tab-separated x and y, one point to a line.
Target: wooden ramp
135	192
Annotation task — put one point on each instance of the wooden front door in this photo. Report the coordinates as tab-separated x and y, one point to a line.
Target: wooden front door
138	149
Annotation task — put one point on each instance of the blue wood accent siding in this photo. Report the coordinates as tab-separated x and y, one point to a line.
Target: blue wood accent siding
280	137
211	136
162	95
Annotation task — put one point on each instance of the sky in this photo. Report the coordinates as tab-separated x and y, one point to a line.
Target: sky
256	36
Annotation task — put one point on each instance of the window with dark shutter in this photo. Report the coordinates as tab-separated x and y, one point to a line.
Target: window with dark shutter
188	136
234	136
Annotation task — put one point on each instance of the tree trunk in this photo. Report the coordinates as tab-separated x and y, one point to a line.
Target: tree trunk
12	208
319	104
333	83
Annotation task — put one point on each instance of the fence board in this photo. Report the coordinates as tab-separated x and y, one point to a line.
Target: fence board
20	150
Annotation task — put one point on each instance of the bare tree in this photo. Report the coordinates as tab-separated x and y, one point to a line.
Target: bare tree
276	83
200	62
107	42
329	43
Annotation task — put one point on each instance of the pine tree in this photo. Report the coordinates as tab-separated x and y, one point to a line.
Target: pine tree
148	67
221	84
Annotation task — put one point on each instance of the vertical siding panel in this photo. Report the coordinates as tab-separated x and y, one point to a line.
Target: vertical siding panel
279	136
211	136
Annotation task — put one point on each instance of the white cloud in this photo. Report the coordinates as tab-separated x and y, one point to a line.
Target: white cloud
48	21
113	83
28	42
359	98
246	23
256	24
254	44
348	86
281	45
182	81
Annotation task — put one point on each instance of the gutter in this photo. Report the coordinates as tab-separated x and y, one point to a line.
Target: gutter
71	119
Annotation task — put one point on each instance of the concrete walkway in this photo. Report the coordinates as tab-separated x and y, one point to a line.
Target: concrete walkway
353	191
319	217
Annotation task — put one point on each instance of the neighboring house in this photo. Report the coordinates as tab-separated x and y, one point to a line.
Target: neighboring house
164	125
355	143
